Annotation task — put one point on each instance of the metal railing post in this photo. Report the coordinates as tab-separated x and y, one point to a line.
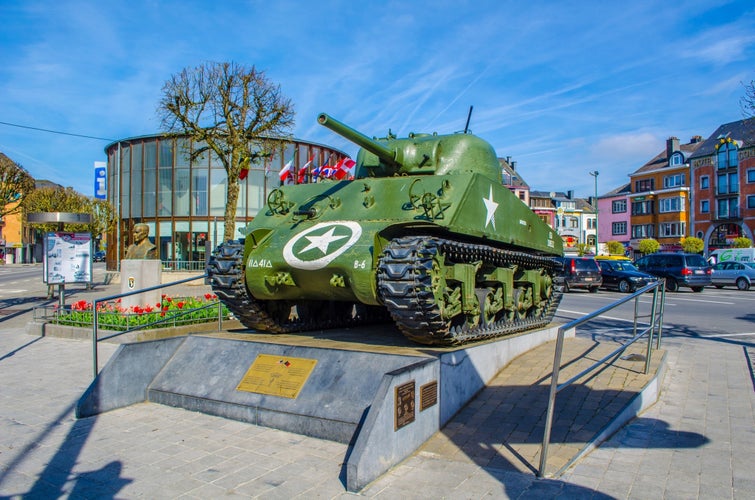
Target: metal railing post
662	306
95	333
649	351
551	401
220	316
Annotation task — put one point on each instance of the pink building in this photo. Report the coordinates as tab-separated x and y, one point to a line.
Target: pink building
613	217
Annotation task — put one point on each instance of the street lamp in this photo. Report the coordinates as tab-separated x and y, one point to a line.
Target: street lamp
595	173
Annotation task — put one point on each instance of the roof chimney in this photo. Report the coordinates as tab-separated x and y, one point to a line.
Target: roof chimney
570	194
672	144
695	139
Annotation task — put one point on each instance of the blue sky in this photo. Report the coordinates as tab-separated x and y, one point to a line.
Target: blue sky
564	88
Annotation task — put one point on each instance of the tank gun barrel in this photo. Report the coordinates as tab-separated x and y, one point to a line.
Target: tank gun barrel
361	140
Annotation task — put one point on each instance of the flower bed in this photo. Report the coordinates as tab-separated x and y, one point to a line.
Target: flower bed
169	312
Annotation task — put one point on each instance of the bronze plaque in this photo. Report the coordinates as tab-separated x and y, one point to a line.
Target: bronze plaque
428	395
277	375
404	404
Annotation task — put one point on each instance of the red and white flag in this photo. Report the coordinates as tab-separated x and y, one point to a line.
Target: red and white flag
345	169
286	170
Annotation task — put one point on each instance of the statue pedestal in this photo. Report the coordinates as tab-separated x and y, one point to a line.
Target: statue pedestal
137	274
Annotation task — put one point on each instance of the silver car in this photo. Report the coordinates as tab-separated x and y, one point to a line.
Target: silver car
730	273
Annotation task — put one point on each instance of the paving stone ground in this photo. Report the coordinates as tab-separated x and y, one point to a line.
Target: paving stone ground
697	441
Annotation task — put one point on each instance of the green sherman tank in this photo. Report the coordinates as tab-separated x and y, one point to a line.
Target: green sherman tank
426	232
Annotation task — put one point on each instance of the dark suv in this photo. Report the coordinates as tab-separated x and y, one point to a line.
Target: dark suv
580	272
679	269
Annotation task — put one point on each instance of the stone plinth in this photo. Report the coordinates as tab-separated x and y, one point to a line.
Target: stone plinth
137	274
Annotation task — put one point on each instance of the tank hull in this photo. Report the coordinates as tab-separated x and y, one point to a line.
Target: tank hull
335	253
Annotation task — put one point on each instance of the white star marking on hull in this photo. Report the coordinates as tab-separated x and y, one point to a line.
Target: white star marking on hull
490	207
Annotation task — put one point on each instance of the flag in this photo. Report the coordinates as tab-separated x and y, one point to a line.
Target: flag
244	164
286	170
318	171
303	170
345	169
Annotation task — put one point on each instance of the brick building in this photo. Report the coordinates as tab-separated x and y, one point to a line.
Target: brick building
660	194
723	177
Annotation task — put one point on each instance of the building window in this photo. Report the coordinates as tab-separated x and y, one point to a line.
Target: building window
567	205
642	207
676	159
643	185
668	229
727	156
727	208
704	206
675	204
619	206
676	180
728	183
642	231
751	175
704	182
751	201
619	228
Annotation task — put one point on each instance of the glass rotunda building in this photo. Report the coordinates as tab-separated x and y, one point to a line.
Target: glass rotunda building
151	180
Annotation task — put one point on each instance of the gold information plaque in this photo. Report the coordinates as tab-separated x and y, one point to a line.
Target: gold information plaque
277	375
404	405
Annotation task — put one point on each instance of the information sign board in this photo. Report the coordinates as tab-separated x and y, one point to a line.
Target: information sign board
68	258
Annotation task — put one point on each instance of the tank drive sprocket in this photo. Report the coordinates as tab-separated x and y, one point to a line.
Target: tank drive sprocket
447	292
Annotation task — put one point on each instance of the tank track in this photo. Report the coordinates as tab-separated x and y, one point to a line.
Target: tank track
405	277
225	271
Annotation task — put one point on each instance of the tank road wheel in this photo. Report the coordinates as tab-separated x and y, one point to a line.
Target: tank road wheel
280	311
491	303
522	302
447	298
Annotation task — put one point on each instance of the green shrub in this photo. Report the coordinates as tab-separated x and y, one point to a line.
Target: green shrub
742	242
648	245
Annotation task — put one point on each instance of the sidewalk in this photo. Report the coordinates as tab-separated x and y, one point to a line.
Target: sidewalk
696	442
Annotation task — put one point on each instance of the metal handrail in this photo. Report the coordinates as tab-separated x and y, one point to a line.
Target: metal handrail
656	321
95	315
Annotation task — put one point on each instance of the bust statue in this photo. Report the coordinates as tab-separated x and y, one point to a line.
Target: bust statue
142	248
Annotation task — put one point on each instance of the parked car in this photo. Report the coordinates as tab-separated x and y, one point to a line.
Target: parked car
580	272
99	256
623	275
680	269
730	273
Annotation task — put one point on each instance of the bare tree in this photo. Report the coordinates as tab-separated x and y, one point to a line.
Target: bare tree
15	186
234	111
747	102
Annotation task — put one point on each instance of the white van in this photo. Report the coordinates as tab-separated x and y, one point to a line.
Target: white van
733	254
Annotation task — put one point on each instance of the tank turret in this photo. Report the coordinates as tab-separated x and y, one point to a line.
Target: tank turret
427	235
419	154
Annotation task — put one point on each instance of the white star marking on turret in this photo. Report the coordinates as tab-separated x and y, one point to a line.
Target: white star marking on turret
323	241
490	207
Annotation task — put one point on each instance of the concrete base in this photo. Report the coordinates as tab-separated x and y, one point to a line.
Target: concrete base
350	396
138	274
